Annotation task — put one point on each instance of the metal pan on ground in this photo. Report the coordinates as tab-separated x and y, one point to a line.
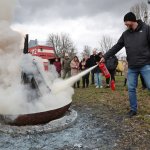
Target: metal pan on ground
34	118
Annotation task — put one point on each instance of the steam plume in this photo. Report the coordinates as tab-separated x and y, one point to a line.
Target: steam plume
13	94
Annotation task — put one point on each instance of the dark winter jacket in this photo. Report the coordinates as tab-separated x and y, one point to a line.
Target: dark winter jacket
111	63
94	59
57	64
137	45
85	64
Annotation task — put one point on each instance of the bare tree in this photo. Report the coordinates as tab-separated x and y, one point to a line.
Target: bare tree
141	11
106	43
62	44
86	50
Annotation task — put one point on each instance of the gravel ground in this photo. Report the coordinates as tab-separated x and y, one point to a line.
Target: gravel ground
95	129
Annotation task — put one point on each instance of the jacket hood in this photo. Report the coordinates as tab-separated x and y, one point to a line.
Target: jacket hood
140	24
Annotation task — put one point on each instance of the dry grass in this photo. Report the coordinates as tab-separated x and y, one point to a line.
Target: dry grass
117	99
135	131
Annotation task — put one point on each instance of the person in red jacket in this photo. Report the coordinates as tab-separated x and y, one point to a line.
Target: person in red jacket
57	64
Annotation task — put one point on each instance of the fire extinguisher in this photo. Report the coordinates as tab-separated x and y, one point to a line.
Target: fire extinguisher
104	70
112	85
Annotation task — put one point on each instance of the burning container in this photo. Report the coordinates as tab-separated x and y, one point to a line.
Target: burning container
33	81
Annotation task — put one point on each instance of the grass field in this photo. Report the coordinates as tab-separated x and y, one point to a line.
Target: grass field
115	105
117	99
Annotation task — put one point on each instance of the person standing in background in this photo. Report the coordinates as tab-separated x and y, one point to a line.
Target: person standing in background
75	69
85	64
93	58
57	64
66	66
98	73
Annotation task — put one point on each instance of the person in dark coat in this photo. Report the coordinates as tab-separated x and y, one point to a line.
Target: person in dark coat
136	40
57	64
66	66
93	58
85	64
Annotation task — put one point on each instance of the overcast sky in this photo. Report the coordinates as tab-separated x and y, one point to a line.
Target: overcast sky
86	21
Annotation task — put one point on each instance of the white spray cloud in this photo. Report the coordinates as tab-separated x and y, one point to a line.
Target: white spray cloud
48	100
55	92
56	88
7	9
9	67
61	91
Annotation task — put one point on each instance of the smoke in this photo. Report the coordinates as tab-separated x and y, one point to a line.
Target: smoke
10	86
17	101
47	100
61	91
60	85
7	9
16	98
11	91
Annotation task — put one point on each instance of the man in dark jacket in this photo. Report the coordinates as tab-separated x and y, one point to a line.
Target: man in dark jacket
136	40
93	59
85	64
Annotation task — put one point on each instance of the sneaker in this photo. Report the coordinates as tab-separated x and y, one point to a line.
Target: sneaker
101	87
131	113
97	87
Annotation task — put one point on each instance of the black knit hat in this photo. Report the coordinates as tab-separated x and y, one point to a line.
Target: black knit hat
130	16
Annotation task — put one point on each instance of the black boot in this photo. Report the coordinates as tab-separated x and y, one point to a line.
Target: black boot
131	113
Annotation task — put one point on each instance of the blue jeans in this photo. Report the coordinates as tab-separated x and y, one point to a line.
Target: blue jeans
132	80
98	79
